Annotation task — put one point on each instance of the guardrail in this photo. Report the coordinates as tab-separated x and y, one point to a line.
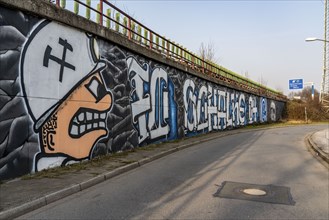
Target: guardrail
110	16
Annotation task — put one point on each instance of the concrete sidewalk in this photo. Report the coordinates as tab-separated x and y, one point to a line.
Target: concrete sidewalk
22	195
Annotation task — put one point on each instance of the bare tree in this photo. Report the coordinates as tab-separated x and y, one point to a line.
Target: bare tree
295	108
207	52
262	81
246	74
279	89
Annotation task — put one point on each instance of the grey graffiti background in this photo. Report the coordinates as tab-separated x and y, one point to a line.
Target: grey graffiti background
280	108
122	136
18	142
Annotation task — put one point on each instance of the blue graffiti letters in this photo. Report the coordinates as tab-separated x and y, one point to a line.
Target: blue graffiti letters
208	108
152	101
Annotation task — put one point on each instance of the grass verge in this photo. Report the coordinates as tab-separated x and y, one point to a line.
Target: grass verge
119	157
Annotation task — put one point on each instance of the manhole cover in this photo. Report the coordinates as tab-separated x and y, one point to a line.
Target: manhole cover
254	192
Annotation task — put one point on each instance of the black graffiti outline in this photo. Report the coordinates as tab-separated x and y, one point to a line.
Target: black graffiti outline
101	89
92	121
61	62
53	108
50	140
146	66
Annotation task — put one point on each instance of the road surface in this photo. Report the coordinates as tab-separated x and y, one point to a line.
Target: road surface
182	185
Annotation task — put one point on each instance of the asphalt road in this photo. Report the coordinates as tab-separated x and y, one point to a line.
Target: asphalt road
182	185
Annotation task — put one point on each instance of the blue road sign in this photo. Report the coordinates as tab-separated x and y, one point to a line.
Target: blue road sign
296	84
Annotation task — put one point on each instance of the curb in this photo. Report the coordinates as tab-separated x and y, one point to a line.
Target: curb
52	197
25	208
315	148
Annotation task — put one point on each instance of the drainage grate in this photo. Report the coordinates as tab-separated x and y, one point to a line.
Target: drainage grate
255	192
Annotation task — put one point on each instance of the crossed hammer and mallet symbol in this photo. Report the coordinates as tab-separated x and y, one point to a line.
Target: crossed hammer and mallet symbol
61	62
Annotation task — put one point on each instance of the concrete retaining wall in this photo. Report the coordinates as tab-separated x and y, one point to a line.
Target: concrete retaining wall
69	94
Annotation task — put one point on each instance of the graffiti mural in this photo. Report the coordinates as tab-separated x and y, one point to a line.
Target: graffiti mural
152	102
273	111
68	96
195	102
210	108
263	109
64	93
18	142
253	109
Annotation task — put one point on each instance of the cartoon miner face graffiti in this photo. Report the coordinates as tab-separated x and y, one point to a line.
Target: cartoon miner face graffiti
64	89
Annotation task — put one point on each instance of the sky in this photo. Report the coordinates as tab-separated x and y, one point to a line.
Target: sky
262	39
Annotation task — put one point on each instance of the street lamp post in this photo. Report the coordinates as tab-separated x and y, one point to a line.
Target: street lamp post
310	39
324	92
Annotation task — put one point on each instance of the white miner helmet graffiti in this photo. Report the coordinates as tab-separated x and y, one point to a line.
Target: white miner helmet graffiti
54	61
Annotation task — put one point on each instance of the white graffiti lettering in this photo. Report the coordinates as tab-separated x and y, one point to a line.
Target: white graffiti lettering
273	111
242	109
253	111
149	104
214	109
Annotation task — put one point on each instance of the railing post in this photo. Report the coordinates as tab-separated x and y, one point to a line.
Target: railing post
101	11
177	51
98	16
193	60
145	37
117	19
157	42
139	31
129	28
76	7
202	65
189	57
88	9
63	3
125	28
151	39
133	30
163	44
173	49
185	55
108	20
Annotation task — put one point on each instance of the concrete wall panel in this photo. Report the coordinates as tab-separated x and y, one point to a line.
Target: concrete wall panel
67	95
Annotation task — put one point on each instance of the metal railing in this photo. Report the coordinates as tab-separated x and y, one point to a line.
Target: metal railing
110	16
